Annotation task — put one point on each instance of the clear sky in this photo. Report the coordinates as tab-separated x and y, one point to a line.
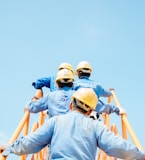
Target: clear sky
36	36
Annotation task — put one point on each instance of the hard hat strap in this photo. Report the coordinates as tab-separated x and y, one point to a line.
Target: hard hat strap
81	105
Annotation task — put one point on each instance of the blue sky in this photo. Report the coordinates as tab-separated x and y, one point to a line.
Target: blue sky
36	36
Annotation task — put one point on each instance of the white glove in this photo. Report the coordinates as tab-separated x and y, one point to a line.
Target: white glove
93	114
122	111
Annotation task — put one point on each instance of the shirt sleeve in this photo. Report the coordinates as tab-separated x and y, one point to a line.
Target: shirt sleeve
101	92
42	82
115	146
33	142
106	108
38	105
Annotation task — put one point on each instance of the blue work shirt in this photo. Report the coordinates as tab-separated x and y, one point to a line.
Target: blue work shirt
74	136
85	82
56	102
106	108
48	82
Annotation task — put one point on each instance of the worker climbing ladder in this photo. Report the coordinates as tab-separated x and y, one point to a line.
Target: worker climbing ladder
43	154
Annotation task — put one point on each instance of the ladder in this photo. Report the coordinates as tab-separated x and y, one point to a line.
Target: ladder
24	124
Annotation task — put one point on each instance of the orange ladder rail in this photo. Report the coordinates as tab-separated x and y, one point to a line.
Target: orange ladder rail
126	125
23	125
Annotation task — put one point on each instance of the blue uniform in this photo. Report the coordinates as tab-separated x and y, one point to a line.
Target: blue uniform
74	136
56	102
48	82
106	108
85	82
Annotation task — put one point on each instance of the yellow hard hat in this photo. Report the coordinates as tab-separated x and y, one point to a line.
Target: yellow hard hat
84	66
86	97
65	76
67	66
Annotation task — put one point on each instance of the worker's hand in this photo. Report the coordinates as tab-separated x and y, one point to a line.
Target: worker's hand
34	98
122	111
2	148
25	109
111	89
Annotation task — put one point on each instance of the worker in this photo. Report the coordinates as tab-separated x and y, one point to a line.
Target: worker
49	82
75	136
83	71
56	102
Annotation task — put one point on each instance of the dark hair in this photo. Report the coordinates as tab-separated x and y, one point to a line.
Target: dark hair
61	85
80	74
78	107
